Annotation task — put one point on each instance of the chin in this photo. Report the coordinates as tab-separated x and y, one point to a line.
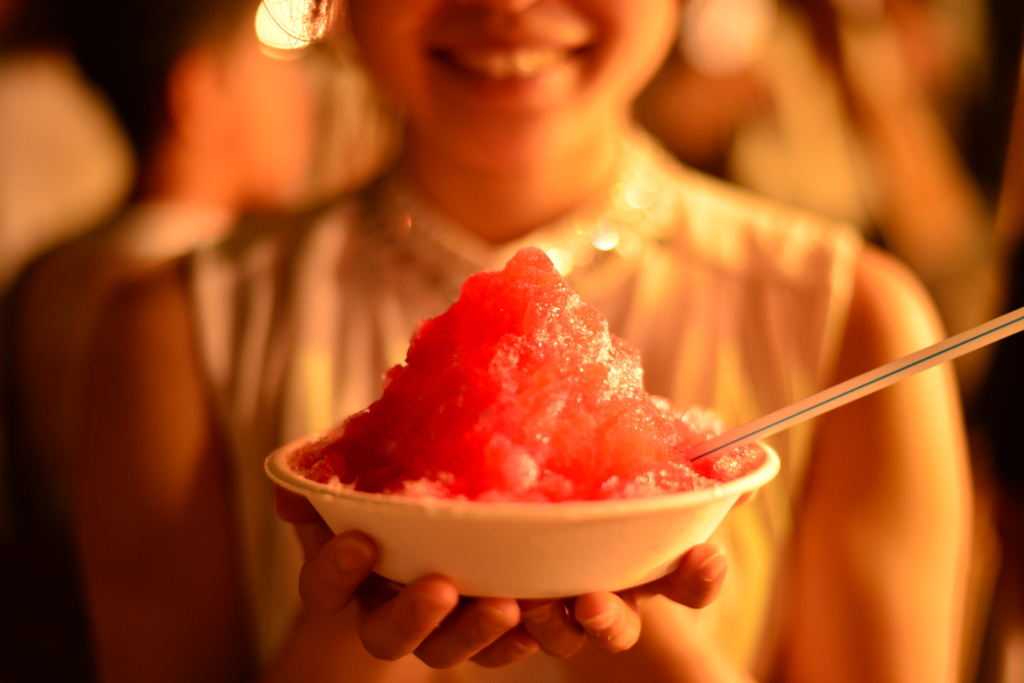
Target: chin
508	144
508	157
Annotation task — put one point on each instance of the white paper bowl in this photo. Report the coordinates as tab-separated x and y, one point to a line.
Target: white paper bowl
525	550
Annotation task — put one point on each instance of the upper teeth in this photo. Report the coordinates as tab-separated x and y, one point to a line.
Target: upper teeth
508	64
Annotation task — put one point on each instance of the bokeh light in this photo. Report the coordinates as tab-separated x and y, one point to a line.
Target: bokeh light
284	25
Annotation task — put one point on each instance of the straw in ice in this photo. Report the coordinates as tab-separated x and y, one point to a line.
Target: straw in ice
862	385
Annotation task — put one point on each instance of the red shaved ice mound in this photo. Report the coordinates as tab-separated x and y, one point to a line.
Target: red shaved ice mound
520	393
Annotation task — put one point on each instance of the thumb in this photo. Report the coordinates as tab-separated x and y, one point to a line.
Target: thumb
698	579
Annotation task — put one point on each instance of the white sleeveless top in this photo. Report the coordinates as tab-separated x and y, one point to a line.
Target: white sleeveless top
734	303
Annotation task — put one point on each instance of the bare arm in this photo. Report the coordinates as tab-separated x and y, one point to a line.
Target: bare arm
882	541
154	522
148	493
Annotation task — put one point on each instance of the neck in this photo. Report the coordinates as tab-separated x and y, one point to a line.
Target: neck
503	204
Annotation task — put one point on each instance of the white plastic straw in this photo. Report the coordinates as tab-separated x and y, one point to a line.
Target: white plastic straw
862	385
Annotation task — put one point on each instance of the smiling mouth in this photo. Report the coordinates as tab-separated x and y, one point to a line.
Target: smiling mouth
507	63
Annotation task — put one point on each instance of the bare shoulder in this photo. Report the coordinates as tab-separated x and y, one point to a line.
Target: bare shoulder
58	309
145	314
142	376
912	432
891	313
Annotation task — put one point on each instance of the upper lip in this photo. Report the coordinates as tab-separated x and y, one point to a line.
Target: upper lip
544	27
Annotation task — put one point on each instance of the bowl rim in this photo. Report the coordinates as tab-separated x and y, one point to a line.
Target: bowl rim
279	470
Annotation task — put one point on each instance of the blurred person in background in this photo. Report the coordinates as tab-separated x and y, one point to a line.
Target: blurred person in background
998	412
856	109
219	124
64	161
64	166
517	131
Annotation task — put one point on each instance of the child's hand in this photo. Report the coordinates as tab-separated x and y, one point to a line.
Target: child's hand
427	618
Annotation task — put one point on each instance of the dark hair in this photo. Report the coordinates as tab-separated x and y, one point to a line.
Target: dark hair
128	47
323	16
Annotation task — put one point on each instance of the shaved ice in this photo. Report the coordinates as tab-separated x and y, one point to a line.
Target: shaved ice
519	392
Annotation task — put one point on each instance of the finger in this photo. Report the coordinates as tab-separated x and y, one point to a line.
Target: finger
293	508
467	631
698	579
375	591
550	623
400	625
610	621
329	580
313	538
313	532
511	647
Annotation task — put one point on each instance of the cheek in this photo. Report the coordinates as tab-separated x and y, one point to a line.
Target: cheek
640	35
389	37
